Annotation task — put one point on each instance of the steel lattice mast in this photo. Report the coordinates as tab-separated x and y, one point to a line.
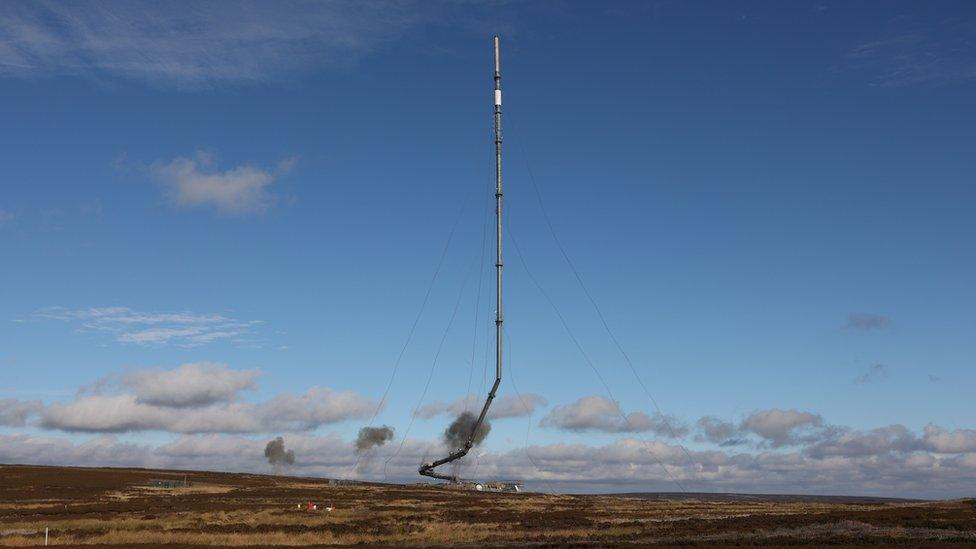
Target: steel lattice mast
427	469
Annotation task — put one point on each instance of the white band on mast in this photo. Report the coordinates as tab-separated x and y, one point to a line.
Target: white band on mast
498	97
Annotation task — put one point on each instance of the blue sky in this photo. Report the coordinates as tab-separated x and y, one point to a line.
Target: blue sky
772	205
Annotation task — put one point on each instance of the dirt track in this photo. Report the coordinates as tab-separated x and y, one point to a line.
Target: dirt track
115	507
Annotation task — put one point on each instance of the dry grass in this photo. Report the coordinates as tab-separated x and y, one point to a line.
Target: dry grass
112	508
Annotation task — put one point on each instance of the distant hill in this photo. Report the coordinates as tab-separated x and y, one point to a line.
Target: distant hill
770	498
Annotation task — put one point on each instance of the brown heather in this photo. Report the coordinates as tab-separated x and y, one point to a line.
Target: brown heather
114	508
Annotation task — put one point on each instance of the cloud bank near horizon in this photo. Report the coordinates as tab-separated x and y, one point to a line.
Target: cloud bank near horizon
202	406
890	461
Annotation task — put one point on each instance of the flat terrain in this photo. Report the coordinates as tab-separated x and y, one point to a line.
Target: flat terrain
117	507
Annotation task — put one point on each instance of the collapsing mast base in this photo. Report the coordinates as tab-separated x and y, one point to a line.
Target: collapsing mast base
427	469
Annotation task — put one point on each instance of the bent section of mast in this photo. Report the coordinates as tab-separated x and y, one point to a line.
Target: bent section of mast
427	469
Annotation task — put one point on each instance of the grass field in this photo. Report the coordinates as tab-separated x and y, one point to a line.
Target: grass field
116	507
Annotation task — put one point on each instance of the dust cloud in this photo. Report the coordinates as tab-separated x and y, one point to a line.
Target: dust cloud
277	455
460	429
371	437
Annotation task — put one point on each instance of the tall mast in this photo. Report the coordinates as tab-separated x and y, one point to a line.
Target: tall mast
427	469
499	319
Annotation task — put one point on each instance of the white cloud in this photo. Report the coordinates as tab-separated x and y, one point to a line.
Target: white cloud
211	446
196	181
195	44
935	52
285	412
102	451
198	397
597	413
316	406
516	405
437	408
716	430
849	443
957	441
184	329
780	427
192	384
14	413
503	407
328	454
122	413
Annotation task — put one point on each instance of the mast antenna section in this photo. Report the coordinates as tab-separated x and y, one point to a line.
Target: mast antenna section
427	469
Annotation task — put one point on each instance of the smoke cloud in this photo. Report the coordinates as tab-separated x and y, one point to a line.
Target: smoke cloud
277	455
459	430
371	437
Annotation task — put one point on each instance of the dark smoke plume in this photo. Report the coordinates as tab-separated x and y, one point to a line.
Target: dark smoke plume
458	431
277	455
370	437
